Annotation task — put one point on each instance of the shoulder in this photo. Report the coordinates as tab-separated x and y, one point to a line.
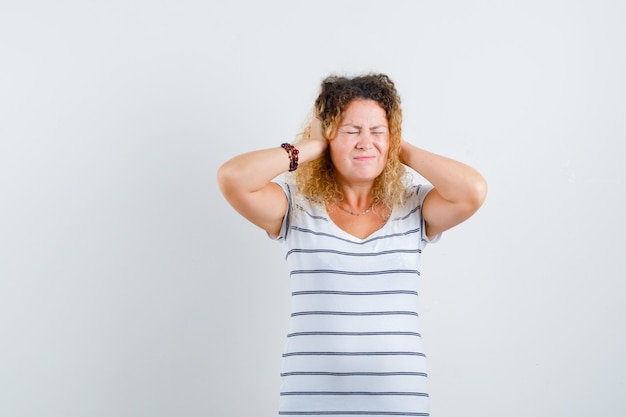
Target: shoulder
297	201
411	213
414	197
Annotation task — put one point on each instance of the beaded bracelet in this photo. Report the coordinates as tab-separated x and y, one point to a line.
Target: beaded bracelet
293	155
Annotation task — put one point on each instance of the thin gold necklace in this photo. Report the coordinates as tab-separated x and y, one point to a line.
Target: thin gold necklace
356	213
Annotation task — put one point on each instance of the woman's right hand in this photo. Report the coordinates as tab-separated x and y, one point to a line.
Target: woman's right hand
317	131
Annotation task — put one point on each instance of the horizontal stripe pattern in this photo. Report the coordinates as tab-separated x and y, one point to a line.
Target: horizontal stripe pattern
353	313
317	292
354	345
386	333
328	292
354	241
357	254
417	394
423	374
360	273
352	353
351	413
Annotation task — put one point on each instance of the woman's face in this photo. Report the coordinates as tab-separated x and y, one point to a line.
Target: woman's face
361	142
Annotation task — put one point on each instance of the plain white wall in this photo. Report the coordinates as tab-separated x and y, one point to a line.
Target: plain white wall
128	287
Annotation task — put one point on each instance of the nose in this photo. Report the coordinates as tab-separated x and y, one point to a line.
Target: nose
365	140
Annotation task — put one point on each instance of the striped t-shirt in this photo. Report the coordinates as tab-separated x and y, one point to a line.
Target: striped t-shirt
354	346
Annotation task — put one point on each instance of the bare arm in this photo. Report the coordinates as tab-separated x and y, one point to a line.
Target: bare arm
246	180
459	189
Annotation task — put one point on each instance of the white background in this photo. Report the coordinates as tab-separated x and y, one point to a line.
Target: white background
128	287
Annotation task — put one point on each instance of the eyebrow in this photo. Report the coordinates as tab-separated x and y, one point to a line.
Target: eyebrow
360	127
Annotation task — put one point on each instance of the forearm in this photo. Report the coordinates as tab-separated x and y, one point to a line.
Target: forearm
251	171
455	181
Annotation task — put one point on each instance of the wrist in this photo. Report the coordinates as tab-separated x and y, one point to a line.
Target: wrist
311	149
293	154
404	151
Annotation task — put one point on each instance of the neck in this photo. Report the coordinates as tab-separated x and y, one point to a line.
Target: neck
356	196
356	213
356	203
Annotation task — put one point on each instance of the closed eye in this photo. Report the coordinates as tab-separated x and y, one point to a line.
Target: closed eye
378	130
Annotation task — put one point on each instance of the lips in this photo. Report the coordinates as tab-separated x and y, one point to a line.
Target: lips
365	158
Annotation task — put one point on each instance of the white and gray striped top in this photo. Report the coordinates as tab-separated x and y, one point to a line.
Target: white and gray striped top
354	346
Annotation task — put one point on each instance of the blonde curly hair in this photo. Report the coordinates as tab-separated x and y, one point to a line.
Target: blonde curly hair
316	180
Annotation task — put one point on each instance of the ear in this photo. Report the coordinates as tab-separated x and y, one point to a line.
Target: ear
330	131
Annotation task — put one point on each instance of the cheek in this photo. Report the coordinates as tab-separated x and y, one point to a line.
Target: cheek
383	147
338	150
335	155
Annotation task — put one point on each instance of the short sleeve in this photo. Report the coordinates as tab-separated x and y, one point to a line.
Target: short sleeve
285	225
421	192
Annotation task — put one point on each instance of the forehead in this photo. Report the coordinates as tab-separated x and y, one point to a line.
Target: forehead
364	111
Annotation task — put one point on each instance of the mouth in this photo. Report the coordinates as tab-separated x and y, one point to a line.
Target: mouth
364	158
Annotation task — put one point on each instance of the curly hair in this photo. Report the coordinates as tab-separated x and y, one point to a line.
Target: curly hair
316	180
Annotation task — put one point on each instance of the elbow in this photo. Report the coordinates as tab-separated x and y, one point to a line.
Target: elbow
225	178
479	190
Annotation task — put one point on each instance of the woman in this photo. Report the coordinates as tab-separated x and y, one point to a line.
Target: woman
353	228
